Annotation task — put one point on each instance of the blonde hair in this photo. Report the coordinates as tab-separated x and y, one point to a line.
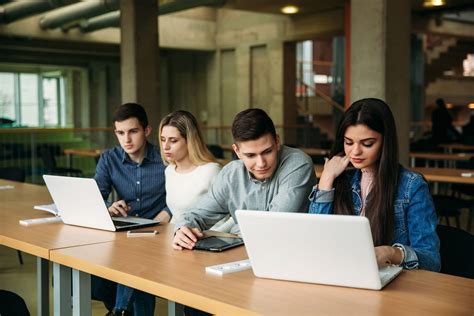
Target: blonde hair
188	128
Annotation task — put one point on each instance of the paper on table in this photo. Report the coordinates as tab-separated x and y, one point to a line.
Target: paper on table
6	187
51	208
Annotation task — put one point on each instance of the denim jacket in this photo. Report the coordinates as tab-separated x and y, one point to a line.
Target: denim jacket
415	218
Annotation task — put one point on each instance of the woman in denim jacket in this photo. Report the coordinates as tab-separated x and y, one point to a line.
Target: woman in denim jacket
396	201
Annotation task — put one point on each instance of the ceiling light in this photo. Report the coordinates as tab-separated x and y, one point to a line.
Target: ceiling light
290	9
471	105
434	3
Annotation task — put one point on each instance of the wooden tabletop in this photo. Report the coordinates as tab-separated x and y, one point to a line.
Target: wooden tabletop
442	156
39	240
309	151
457	146
449	175
86	152
318	169
316	151
180	276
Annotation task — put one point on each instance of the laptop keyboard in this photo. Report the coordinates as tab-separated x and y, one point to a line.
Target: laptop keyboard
118	223
388	273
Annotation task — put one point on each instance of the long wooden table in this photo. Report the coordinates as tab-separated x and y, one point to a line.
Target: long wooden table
151	265
456	146
446	175
40	240
84	152
450	158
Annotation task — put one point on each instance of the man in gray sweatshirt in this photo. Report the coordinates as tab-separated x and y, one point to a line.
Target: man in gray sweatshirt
267	177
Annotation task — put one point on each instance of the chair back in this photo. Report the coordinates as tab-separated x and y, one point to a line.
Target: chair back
216	151
457	251
13	174
47	156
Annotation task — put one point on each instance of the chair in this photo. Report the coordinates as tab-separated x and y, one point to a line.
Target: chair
12	304
46	153
449	206
216	151
14	174
457	251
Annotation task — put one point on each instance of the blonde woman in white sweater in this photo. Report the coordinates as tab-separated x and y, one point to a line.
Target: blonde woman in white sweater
191	167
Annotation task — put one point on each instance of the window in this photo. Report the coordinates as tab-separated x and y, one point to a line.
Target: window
32	99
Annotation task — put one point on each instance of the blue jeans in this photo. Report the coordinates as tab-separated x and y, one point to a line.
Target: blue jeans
141	303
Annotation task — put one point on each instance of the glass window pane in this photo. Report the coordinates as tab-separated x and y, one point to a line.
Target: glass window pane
7	97
29	99
50	96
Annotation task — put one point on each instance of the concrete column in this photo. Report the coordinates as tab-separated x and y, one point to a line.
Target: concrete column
139	56
380	59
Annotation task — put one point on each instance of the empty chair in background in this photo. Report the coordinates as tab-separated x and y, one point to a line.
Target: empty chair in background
47	154
216	151
456	250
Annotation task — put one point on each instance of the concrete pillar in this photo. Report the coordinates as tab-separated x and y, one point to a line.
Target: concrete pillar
139	56
380	59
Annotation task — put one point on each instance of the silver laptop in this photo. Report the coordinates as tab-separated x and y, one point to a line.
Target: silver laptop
80	203
324	249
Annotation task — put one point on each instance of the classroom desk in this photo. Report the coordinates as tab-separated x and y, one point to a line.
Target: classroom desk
446	175
318	169
456	146
84	152
316	151
309	151
439	156
180	276
40	240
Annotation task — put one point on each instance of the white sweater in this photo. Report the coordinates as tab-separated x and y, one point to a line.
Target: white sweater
184	189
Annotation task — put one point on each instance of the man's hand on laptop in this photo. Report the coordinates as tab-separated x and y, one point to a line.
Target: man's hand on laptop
186	238
163	217
119	208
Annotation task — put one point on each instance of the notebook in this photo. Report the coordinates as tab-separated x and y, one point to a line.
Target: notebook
324	249
80	203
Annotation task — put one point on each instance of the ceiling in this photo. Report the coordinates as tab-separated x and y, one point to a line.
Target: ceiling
94	14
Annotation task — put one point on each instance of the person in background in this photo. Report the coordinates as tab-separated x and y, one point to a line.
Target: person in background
396	201
442	129
137	173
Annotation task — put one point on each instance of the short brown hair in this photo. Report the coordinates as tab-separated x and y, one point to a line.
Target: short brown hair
129	110
252	124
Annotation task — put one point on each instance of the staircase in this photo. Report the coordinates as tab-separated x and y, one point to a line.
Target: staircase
446	58
316	111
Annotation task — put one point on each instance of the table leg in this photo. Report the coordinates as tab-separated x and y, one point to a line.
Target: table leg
62	290
81	293
69	160
175	309
42	280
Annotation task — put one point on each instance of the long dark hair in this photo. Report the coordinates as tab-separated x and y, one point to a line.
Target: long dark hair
376	115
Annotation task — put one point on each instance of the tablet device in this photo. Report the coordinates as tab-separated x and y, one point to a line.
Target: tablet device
218	244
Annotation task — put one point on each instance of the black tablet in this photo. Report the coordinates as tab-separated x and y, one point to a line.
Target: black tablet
217	244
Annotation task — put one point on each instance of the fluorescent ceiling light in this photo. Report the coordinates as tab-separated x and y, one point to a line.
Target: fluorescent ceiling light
290	9
434	3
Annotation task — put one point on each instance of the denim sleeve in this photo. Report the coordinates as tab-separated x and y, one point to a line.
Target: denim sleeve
321	201
423	251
